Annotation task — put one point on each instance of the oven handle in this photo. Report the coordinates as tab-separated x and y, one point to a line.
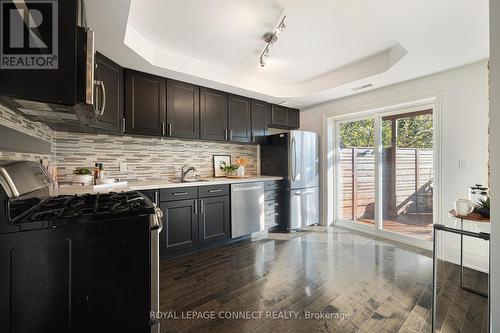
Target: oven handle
157	225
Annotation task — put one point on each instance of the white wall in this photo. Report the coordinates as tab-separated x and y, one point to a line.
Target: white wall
495	160
463	94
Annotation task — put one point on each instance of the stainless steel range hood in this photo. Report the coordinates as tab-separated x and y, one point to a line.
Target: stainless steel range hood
57	116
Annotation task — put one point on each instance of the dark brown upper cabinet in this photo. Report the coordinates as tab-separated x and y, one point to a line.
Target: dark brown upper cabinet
261	118
213	114
239	119
109	99
183	110
278	116
145	103
293	118
286	118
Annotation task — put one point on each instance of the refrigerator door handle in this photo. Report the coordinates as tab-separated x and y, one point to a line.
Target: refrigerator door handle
294	165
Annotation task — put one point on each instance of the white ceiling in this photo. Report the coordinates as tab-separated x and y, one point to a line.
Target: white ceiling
328	47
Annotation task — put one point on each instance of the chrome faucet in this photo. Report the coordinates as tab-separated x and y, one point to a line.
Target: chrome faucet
184	173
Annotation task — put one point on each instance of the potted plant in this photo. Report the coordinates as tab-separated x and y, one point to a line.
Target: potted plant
229	169
82	176
483	207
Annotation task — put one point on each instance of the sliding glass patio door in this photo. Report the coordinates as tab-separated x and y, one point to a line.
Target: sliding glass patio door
407	174
357	170
385	173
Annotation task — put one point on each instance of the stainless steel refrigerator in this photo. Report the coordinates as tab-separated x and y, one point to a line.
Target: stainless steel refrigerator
295	157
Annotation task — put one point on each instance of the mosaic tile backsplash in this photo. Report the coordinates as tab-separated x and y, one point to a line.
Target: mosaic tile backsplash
145	157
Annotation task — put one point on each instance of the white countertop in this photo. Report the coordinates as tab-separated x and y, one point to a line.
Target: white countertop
138	185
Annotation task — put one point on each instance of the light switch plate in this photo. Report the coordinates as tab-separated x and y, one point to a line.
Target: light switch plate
463	163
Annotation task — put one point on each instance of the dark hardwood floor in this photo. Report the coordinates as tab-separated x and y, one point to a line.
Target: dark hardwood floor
378	286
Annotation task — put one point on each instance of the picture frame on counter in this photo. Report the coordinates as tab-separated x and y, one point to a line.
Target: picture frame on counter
218	159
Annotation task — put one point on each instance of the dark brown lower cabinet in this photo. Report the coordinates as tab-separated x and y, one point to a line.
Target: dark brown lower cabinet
194	223
214	219
180	227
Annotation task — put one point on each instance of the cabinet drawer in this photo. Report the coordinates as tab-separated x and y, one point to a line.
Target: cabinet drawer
213	191
271	219
272	205
271	195
272	185
181	193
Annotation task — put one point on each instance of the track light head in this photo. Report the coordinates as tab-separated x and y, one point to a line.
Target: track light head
270	38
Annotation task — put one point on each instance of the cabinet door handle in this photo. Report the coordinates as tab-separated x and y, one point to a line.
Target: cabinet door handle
163	128
100	108
202	207
123	125
196	207
252	137
230	135
156	198
225	135
169	129
179	193
214	191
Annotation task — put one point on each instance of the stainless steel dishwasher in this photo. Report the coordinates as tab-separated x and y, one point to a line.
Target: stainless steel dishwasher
247	208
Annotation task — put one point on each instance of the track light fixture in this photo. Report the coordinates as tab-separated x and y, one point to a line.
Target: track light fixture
270	38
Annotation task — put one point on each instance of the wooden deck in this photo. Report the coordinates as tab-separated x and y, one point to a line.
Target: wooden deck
416	225
383	286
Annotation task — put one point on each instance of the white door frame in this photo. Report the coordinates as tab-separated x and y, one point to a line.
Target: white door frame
330	157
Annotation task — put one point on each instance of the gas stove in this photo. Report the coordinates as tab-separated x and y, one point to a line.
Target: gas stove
75	257
70	209
90	205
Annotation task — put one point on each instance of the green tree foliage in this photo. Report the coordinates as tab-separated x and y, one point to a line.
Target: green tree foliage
412	132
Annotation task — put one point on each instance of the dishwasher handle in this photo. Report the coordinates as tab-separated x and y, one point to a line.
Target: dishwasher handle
251	188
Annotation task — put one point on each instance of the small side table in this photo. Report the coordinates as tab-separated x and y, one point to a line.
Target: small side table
474	218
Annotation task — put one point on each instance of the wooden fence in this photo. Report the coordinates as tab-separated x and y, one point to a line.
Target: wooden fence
406	182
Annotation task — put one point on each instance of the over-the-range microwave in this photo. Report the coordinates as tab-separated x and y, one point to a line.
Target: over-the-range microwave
47	62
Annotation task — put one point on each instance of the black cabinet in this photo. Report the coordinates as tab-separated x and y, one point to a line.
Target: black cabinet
183	110
93	277
239	119
145	103
293	118
272	203
59	85
214	219
180	227
278	116
110	75
286	118
193	218
213	114
261	118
